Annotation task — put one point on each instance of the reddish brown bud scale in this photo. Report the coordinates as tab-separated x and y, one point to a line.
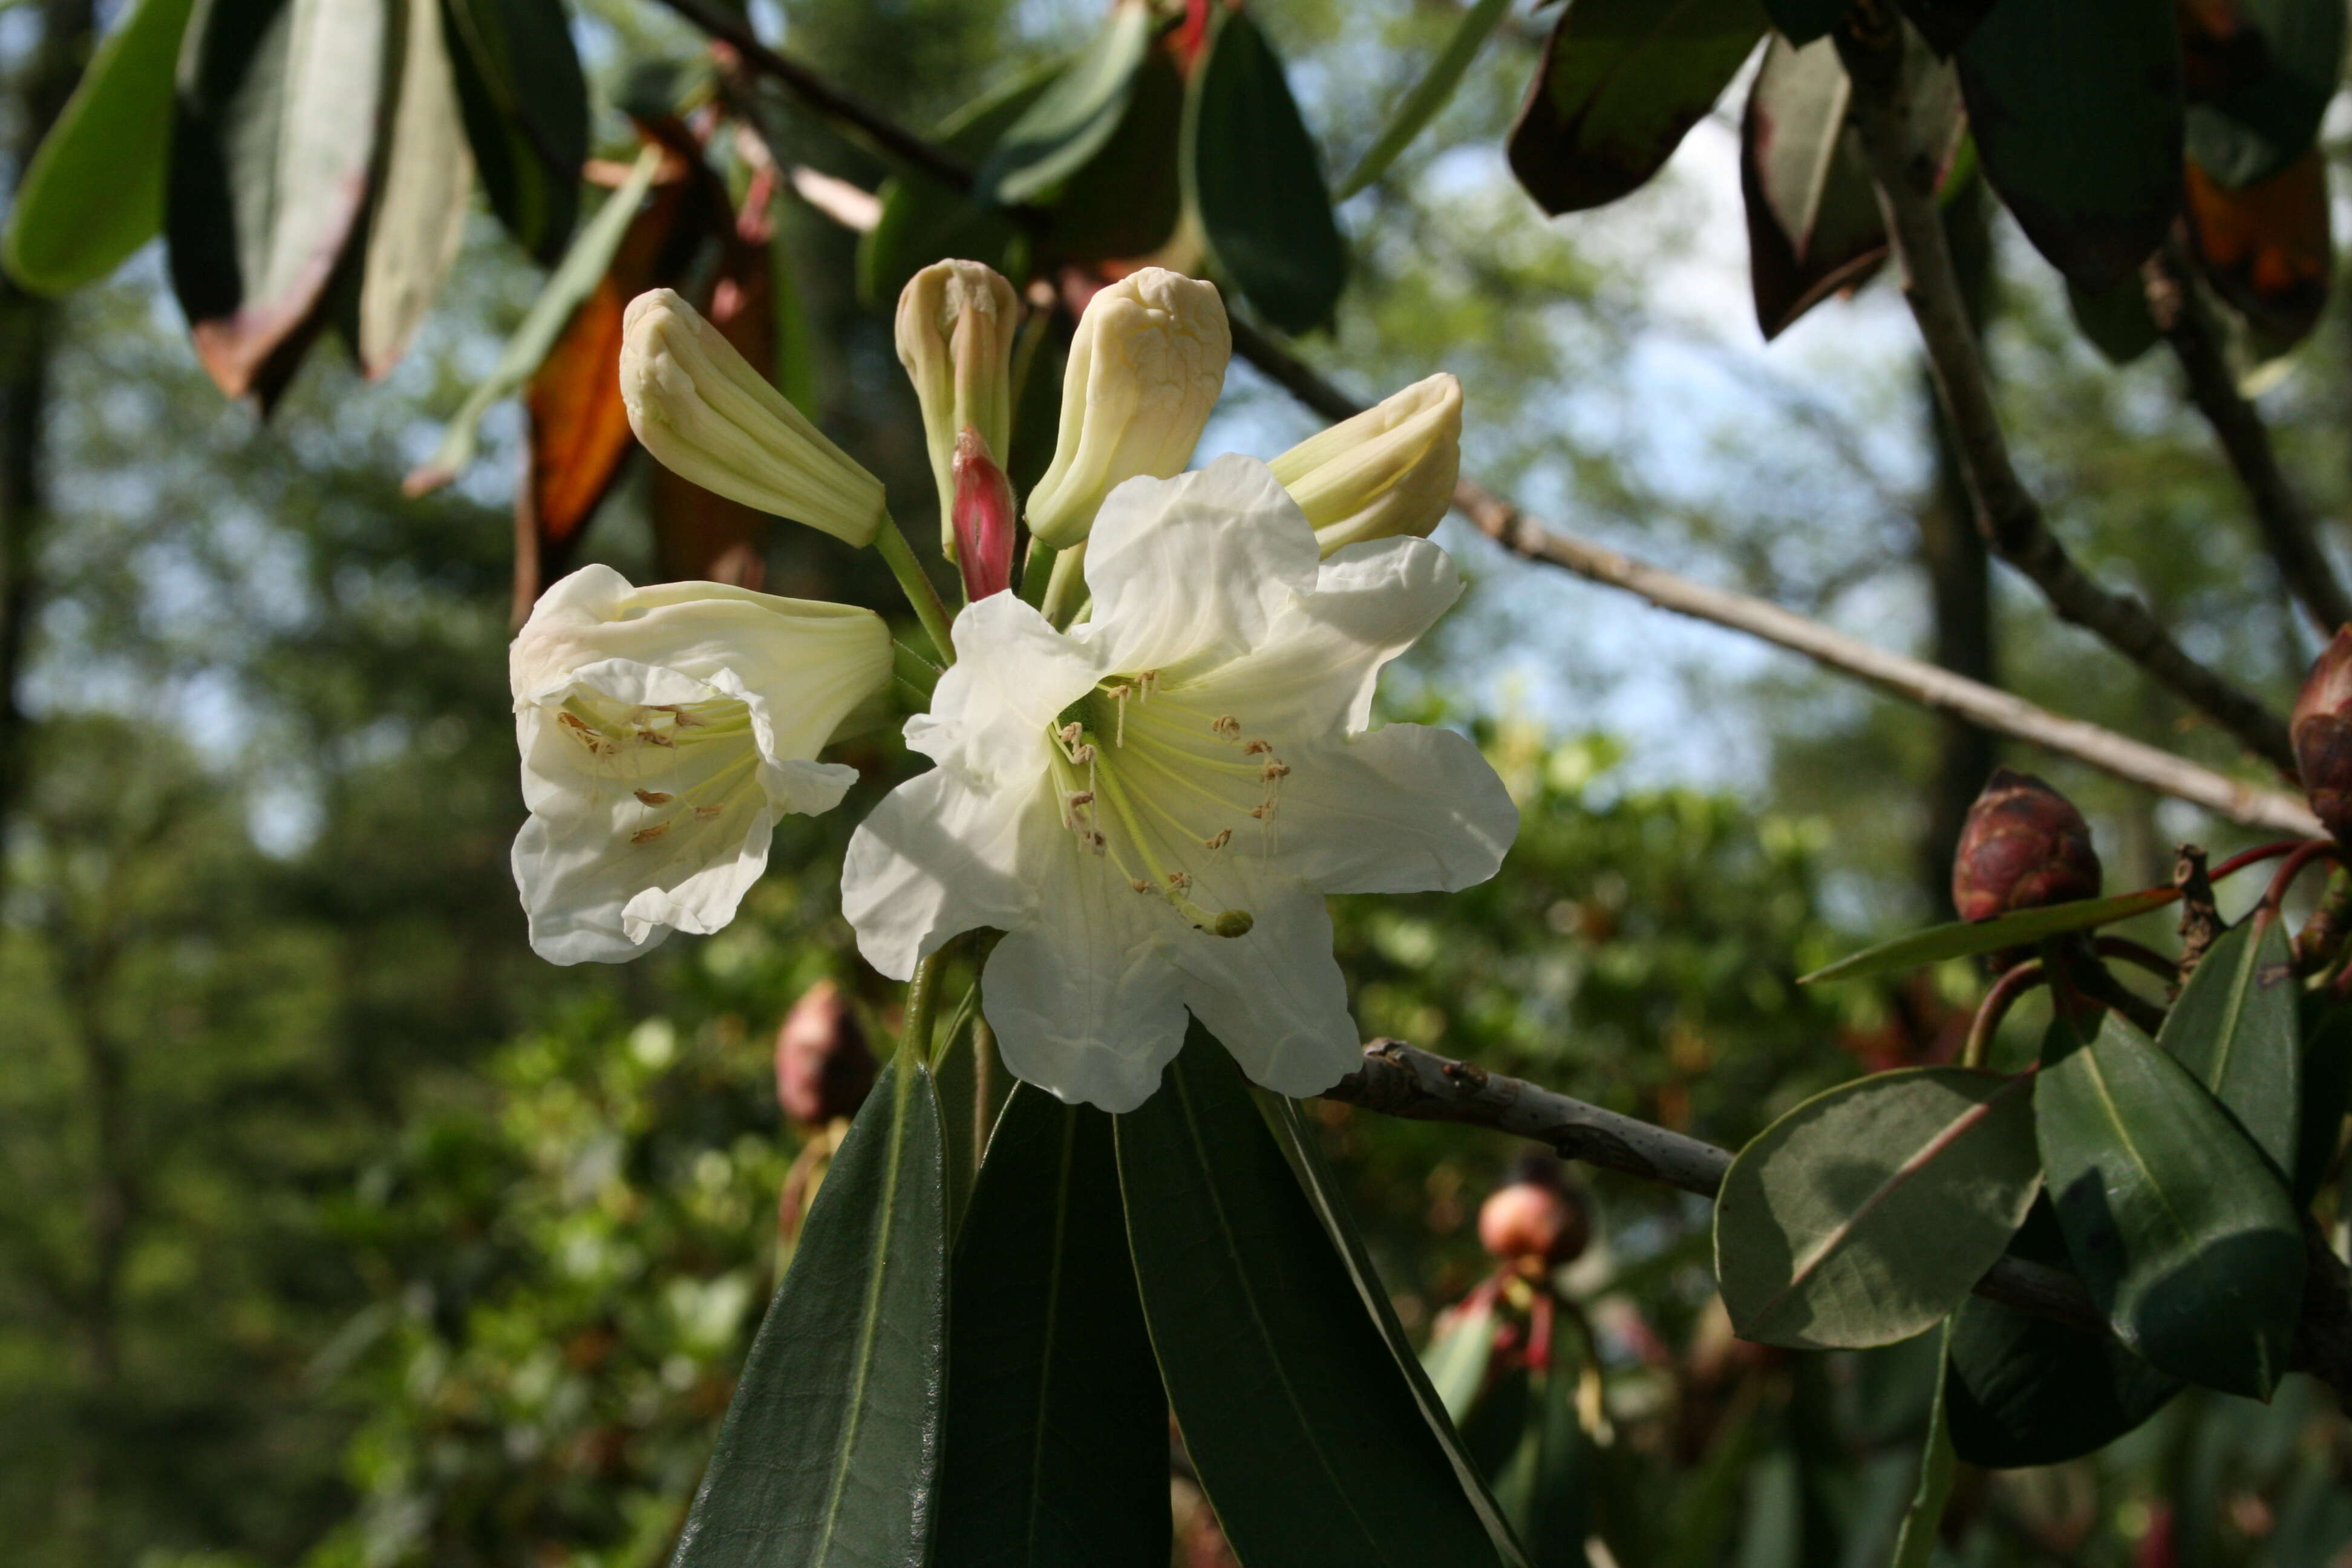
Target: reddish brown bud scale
824	1069
982	518
2024	847
2322	726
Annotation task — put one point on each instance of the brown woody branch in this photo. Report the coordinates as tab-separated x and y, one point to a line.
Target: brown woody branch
1871	40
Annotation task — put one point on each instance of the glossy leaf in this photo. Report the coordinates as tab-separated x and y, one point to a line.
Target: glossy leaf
1069	122
273	143
1306	1434
828	1454
1914	1542
923	221
2268	250
420	206
1961	938
525	104
1058	1427
2076	107
2257	91
2024	1389
2234	1028
1814	226
2174	1221
1802	21
1867	1212
1620	83
1253	173
1429	96
94	191
1125	201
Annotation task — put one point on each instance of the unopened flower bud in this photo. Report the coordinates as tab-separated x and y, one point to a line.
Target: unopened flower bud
2322	726
2024	846
956	323
1533	1220
1146	367
983	515
824	1069
1389	470
707	417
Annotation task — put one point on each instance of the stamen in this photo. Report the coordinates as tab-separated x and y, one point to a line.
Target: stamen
707	813
1141	886
1181	880
1148	683
1274	771
647	834
652	796
1257	748
1225	836
650	737
1227	725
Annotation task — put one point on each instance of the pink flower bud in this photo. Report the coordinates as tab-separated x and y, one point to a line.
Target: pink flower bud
1534	1221
2322	726
983	517
2025	845
822	1067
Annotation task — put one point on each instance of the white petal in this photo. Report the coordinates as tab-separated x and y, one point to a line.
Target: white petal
936	857
1189	571
1404	809
1275	997
1014	674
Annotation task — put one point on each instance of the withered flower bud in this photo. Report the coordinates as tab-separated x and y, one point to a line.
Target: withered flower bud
2322	727
824	1069
1533	1220
2024	846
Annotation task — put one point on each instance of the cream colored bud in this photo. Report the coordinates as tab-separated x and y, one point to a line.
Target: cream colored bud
1146	367
956	323
1389	470
707	417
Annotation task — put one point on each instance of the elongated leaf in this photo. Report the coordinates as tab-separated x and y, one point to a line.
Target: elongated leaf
94	192
2257	92
2234	1028
1914	1543
1125	200
1058	1427
1254	175
2076	109
2326	1084
2267	249
1429	96
2024	1389
828	1454
923	221
574	282
1864	1215
1620	83
1070	121
420	206
1548	1483
2176	1222
1459	1355
1306	1434
1814	226
526	111
1962	938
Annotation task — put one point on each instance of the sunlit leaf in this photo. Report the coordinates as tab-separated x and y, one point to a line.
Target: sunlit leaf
923	221
1962	938
2234	1028
526	111
1429	96
419	213
2259	74
1068	123
2267	249
1814	226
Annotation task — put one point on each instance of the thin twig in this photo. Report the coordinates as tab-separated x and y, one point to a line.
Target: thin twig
1871	40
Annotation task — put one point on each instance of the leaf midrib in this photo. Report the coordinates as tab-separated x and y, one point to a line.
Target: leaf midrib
1052	1327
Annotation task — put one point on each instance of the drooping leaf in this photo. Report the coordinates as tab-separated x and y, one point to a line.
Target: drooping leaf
1802	21
2175	1220
1125	199
1431	94
526	111
1253	173
1307	1436
828	1455
1867	1212
1914	1542
2234	1028
273	142
2267	249
1814	226
1620	83
2025	1390
2075	106
2259	74
2327	1080
2114	319
1069	122
1058	1427
93	193
923	221
419	213
1961	938
1545	1485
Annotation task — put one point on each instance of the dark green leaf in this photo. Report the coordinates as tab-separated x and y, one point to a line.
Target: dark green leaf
2024	1389
1945	23
2076	109
2265	88
1802	21
1962	938
1057	1429
2326	1083
827	1456
1431	94
419	213
1125	200
1069	122
2174	1221
1459	1354
2235	1029
526	111
923	221
1545	1485
1306	1434
94	192
1253	173
1914	1543
1620	83
2115	318
1867	1212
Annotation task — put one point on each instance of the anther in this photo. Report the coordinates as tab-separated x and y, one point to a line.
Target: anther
652	797
655	738
647	834
1082	798
1070	732
1274	770
1257	748
1225	836
1228	726
1181	880
1141	886
707	813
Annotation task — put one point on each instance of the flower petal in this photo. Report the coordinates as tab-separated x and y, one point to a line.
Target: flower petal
1275	997
936	857
1404	809
1014	674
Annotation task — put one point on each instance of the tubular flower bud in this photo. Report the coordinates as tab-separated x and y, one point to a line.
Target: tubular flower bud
2322	726
2024	846
824	1067
707	417
981	514
1146	367
1389	470
956	322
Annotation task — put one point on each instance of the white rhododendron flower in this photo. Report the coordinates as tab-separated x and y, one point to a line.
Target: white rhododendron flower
663	731
1153	805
